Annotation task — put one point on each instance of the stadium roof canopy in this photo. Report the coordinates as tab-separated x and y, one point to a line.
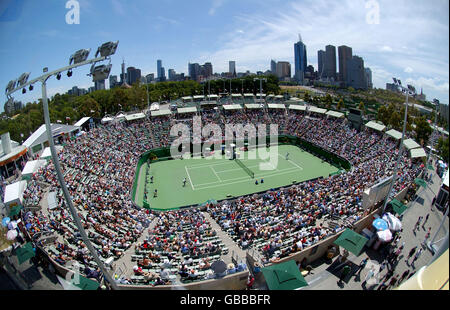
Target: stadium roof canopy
317	110
229	107
187	110
161	113
187	98
260	95
212	96
40	135
397	135
236	95
253	106
199	97
335	114
134	117
417	153
32	166
376	126
279	96
297	107
82	121
249	95
276	106
411	144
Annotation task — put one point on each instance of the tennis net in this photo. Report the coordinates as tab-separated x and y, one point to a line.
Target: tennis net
246	169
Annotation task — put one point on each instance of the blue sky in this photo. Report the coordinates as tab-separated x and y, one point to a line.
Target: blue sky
411	40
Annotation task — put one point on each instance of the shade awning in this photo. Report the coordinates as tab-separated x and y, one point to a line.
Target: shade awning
317	110
276	106
25	253
394	134
161	113
398	207
82	121
32	166
47	153
417	153
253	106
14	193
411	144
297	107
335	114
351	241
375	126
187	110
229	107
134	117
284	276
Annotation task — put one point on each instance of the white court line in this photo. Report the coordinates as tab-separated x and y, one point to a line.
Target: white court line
292	162
189	177
244	180
215	173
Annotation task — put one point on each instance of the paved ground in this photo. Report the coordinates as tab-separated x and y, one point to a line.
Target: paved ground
326	276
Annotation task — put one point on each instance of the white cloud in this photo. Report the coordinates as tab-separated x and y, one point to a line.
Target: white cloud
215	5
408	70
386	48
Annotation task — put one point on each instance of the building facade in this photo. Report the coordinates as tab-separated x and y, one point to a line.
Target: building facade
301	60
357	74
283	70
345	55
330	62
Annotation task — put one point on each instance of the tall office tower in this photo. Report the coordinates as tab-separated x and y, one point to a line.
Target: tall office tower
232	68
369	78
123	75
321	61
113	81
273	66
134	75
172	74
283	69
158	69
345	55
162	78
194	71
150	77
301	60
207	69
99	85
330	62
357	74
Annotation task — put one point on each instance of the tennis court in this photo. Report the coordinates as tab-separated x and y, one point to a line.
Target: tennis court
217	179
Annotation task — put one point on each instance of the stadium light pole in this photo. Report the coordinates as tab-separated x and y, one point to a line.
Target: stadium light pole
408	90
79	59
260	87
436	103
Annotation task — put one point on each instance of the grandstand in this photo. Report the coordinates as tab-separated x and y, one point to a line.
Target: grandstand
277	220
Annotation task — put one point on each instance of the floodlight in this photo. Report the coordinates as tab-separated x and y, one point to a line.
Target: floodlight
399	82
10	87
22	80
79	56
58	76
107	49
395	80
24	91
69	73
30	88
100	73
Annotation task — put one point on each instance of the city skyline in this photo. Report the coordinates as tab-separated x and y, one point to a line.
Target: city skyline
416	52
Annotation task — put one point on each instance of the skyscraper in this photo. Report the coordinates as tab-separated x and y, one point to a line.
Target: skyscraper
301	61
134	75
158	69
207	69
356	73
123	75
273	66
172	74
232	68
369	78
113	81
194	71
321	61
345	55
283	69
330	62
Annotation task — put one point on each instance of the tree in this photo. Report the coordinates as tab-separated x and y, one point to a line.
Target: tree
423	130
340	104
395	121
307	97
361	106
443	148
328	101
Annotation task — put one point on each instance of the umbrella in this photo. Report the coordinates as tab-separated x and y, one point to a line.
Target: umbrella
219	266
380	224
11	235
12	225
6	221
25	253
394	223
385	235
284	276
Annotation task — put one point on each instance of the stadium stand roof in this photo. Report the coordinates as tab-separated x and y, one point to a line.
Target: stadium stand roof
376	126
47	153
335	114
276	106
236	95
417	153
40	135
279	96
199	97
253	106
229	107
82	121
397	135
187	110
161	113
317	110
411	144
297	107
133	117
187	98
260	95
249	95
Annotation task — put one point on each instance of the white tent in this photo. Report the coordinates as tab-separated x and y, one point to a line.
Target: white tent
31	167
52	201
14	193
107	120
154	106
47	154
417	153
